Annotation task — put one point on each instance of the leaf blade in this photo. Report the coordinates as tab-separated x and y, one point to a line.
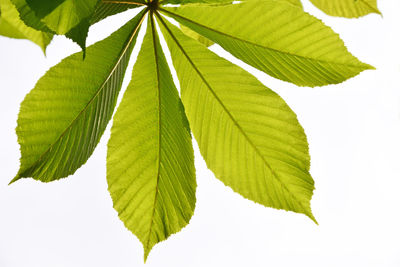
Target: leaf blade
201	39
77	29
220	2
251	140
62	15
150	164
282	40
105	9
347	8
12	26
62	119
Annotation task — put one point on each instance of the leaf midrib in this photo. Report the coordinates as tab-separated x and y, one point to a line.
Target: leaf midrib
102	86
234	121
261	46
159	130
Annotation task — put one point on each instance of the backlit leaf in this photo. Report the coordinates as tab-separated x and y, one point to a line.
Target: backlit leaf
62	15
201	39
248	136
347	8
72	27
294	2
29	17
150	165
62	119
277	38
109	8
184	2
12	26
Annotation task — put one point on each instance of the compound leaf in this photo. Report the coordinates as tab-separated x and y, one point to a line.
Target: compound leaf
347	8
247	134
62	119
12	26
278	38
150	164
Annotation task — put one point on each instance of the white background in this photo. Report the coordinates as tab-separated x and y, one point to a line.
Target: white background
354	135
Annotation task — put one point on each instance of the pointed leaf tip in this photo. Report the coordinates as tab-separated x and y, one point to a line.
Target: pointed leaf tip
310	215
146	254
347	8
16	178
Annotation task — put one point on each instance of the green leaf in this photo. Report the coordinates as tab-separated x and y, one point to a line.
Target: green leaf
77	34
201	39
184	2
247	134
27	15
150	164
347	8
62	15
277	38
12	26
109	8
78	28
220	2
293	2
62	119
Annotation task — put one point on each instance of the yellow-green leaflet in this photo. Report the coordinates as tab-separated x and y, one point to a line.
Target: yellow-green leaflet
62	119
278	38
247	134
78	32
150	164
12	26
293	2
220	2
105	9
347	8
203	40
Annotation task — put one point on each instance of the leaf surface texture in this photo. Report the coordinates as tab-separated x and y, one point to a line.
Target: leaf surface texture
347	8
220	2
150	165
247	134
278	38
201	39
62	119
62	15
12	26
105	9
